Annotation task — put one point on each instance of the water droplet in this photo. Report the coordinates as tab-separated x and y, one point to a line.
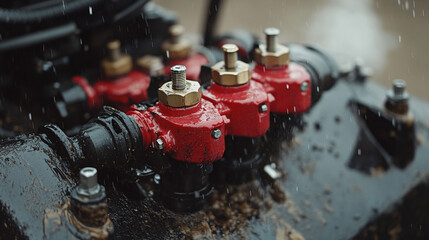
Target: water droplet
399	38
90	10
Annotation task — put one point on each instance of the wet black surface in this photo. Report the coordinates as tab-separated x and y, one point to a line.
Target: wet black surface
319	196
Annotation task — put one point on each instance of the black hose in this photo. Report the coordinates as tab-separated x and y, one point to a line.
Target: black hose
214	7
130	10
16	16
38	37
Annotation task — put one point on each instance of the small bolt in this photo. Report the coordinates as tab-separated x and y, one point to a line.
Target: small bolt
399	87
271	38
304	86
230	55
263	108
159	144
113	50
176	31
88	184
178	77
216	133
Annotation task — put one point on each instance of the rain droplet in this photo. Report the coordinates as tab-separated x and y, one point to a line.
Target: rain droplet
90	10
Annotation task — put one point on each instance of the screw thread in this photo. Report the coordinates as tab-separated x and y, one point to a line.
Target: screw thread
178	77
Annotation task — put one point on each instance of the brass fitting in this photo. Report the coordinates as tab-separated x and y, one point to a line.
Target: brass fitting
272	54
230	72
179	92
116	63
176	47
151	65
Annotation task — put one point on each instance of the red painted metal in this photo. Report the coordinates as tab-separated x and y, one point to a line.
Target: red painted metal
120	93
284	83
94	100
186	132
241	105
192	63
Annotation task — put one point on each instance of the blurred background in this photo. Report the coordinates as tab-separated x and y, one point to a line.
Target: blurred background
391	36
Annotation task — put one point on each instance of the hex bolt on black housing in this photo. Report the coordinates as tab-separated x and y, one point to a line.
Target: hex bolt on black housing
393	126
88	200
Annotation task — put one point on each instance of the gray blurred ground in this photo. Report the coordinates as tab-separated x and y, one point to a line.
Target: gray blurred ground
392	36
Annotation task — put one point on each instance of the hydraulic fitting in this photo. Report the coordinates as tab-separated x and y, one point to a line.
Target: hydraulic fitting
182	121
289	83
244	102
176	47
272	54
397	98
116	63
191	132
247	105
179	92
230	72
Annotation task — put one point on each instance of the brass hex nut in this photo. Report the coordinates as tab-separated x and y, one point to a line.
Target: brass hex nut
271	59
189	96
151	65
176	50
116	68
231	77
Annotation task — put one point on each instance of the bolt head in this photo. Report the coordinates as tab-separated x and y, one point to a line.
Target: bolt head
271	31
399	86
159	144
216	133
398	93
88	184
88	178
229	48
304	87
263	108
178	69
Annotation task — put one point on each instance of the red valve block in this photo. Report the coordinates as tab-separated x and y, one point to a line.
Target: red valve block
187	134
284	83
120	93
243	106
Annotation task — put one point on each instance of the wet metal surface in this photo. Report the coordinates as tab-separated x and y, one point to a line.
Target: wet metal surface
389	35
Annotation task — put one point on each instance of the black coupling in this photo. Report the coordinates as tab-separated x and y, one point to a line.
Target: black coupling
321	66
112	140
